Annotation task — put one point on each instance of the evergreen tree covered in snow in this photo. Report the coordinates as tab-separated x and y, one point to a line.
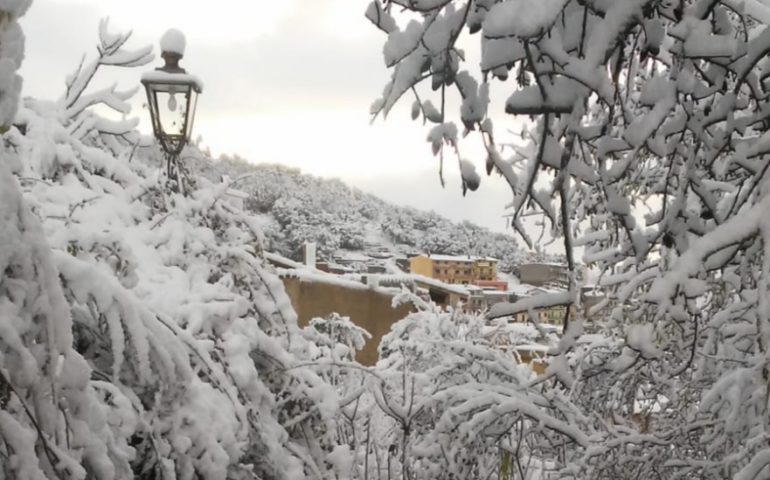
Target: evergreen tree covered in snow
141	333
647	146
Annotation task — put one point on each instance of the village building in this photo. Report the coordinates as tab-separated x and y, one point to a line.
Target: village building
456	269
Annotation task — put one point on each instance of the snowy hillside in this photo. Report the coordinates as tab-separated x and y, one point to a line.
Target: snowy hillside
298	207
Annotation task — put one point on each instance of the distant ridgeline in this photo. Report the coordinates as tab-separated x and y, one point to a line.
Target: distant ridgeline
301	208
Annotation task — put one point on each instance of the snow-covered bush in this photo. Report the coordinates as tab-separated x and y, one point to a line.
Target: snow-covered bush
428	402
141	333
334	341
647	146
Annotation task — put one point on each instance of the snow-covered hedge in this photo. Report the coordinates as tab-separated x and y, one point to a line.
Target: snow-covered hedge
141	334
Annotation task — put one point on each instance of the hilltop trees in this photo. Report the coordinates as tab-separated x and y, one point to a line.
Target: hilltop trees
647	146
300	208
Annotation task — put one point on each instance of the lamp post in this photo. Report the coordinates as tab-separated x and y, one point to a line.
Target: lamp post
172	95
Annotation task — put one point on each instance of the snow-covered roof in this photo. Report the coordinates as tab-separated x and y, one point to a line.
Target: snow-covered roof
410	278
395	279
545	264
495	293
521	288
450	258
349	256
288	264
354	282
318	276
507	277
456	258
282	261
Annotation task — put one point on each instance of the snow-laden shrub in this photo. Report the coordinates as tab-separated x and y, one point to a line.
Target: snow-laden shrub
424	409
141	333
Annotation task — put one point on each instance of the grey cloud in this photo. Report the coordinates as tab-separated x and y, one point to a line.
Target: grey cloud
299	65
57	35
294	68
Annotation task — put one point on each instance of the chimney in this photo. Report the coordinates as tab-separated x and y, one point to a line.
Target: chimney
308	254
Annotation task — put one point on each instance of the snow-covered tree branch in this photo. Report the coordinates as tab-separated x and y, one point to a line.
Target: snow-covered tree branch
76	101
142	335
646	145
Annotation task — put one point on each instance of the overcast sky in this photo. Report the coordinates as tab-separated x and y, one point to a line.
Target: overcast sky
285	81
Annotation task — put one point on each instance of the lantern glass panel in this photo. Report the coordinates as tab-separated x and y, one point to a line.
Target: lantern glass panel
191	106
171	107
171	113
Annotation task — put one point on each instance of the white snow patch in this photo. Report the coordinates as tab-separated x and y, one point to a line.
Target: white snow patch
173	41
641	338
522	18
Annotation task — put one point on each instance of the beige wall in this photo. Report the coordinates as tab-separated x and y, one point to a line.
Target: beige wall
421	265
366	308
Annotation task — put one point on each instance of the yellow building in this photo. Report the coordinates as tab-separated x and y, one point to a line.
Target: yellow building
485	269
454	269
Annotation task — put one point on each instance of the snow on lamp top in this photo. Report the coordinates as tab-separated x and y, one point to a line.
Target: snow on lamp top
172	46
173	41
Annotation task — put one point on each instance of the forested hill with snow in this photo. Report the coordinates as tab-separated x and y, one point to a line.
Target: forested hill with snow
299	207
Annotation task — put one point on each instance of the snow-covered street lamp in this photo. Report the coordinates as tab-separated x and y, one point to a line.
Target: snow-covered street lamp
172	95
